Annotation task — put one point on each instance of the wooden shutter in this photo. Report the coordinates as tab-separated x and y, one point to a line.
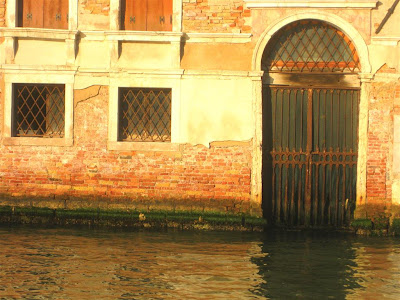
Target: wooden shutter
55	14
159	15
167	12
154	15
31	13
134	14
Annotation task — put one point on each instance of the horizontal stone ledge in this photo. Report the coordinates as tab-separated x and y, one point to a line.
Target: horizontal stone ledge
232	38
37	141
311	4
144	146
38	33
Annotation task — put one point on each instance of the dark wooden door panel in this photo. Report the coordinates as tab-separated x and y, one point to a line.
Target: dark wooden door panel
310	154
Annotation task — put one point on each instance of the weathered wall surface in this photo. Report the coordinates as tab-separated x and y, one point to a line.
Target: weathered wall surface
216	108
380	144
187	179
215	16
94	14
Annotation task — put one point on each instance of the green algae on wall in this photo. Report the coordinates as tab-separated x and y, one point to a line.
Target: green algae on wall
130	219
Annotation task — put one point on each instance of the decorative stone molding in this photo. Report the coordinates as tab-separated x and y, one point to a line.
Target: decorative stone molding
11	36
335	20
368	4
116	37
386	40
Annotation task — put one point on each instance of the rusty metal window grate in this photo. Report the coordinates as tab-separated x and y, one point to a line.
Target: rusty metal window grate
145	114
310	46
39	110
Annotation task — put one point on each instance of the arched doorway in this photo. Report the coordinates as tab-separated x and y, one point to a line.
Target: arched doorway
311	95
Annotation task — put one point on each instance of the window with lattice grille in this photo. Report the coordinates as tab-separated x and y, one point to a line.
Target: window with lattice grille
145	114
38	110
310	46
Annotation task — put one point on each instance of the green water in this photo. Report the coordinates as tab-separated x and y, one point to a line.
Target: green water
89	264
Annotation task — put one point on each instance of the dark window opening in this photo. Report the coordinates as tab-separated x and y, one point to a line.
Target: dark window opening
145	114
38	110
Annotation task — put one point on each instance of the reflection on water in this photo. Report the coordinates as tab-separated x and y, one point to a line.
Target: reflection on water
87	264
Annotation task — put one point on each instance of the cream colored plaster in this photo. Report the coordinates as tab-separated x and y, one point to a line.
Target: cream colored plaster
146	55
216	110
391	27
46	77
396	192
40	52
396	158
384	54
93	54
396	127
84	80
396	148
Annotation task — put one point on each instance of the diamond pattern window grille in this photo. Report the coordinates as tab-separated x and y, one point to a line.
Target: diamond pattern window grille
39	110
145	114
310	46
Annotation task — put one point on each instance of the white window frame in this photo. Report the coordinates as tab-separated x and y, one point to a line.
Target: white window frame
38	78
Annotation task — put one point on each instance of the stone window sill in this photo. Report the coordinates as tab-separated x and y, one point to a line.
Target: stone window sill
143	146
134	36
38	33
34	141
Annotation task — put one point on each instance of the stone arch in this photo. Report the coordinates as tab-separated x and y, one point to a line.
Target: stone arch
365	76
331	19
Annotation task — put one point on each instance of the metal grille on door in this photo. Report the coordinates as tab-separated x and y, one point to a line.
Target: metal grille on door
313	155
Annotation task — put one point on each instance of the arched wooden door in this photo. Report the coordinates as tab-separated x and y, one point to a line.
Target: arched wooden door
310	125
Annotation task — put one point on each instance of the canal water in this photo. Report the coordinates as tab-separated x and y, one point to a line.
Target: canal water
105	264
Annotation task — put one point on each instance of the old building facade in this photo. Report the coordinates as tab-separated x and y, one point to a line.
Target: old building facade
291	108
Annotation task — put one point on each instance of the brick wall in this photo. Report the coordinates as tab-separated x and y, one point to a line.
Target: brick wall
2	13
89	170
380	142
96	7
215	16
